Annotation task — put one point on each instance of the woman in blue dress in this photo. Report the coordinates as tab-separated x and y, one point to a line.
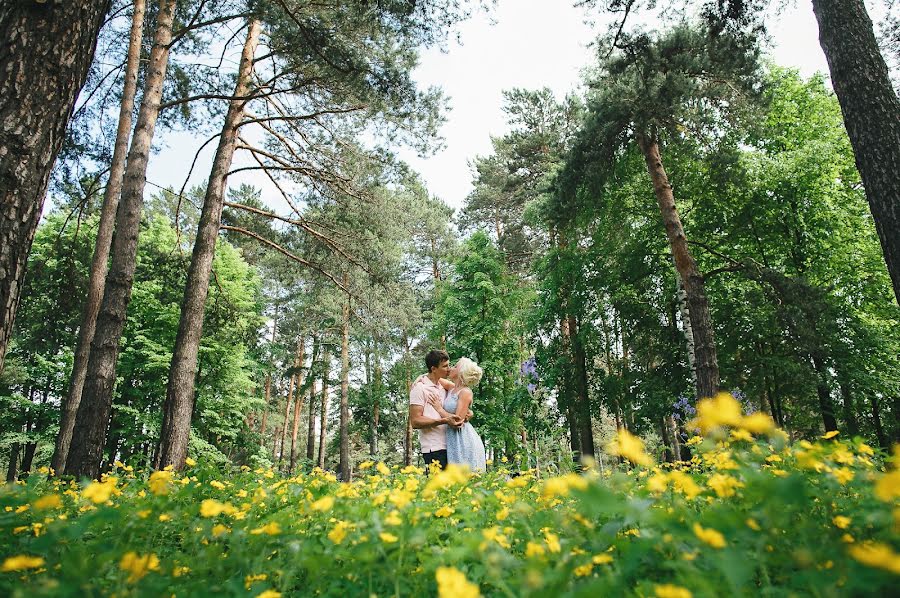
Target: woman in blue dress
464	445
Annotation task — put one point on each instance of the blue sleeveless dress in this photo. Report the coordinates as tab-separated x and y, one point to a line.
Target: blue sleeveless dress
464	445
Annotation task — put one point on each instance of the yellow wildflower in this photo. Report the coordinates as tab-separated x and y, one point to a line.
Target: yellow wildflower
383	469
878	555
721	410
181	570
631	447
840	521
393	518
843	475
502	513
757	423
365	465
830	435
724	485
388	538
601	559
752	524
189	462
219	529
446	478
100	492
217	485
20	563
339	532
710	536
887	488
138	565
400	498
685	484
159	482
249	580
270	529
552	541
452	583
657	483
741	435
534	549
212	508
668	590
50	501
269	594
584	570
323	504
562	485
444	511
165	517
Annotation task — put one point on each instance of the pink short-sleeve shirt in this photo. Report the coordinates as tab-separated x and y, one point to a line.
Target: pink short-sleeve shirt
431	439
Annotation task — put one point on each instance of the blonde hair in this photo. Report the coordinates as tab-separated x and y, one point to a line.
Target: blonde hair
469	371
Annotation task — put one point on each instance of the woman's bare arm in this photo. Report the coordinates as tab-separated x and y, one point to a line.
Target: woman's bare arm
447	384
464	402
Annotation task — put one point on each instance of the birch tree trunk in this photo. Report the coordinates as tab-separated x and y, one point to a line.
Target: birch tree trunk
179	405
92	419
871	112
707	366
46	49
102	244
345	388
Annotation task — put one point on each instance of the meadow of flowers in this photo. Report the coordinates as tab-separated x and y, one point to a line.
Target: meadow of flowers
750	514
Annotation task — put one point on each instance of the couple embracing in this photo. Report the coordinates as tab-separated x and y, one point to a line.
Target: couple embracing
439	403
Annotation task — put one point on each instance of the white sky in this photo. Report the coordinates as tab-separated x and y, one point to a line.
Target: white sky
531	44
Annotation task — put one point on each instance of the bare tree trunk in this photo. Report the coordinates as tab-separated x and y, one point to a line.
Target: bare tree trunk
823	392
89	433
311	429
871	112
45	57
294	384
179	405
298	404
407	442
12	469
265	416
379	389
102	243
323	421
849	408
883	441
707	366
583	405
345	388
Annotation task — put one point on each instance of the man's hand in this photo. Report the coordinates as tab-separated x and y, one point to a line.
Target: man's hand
454	420
469	416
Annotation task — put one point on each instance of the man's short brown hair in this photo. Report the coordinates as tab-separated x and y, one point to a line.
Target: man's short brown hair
434	358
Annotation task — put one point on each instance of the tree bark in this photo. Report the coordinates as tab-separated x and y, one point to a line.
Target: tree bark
12	468
298	404
407	441
707	366
46	49
179	405
583	404
89	433
376	401
294	384
102	243
883	441
265	417
323	421
871	112
311	428
345	388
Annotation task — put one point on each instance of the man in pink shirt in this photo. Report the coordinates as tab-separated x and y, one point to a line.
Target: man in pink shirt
432	426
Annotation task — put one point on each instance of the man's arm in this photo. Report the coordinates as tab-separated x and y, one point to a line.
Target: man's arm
418	420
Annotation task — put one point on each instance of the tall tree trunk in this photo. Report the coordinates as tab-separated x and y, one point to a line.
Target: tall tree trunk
407	441
102	243
45	55
345	387
376	403
89	433
668	445
823	392
12	469
583	404
298	404
294	385
566	394
267	393
323	421
871	112
707	366
311	428
179	405
849	408
883	441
